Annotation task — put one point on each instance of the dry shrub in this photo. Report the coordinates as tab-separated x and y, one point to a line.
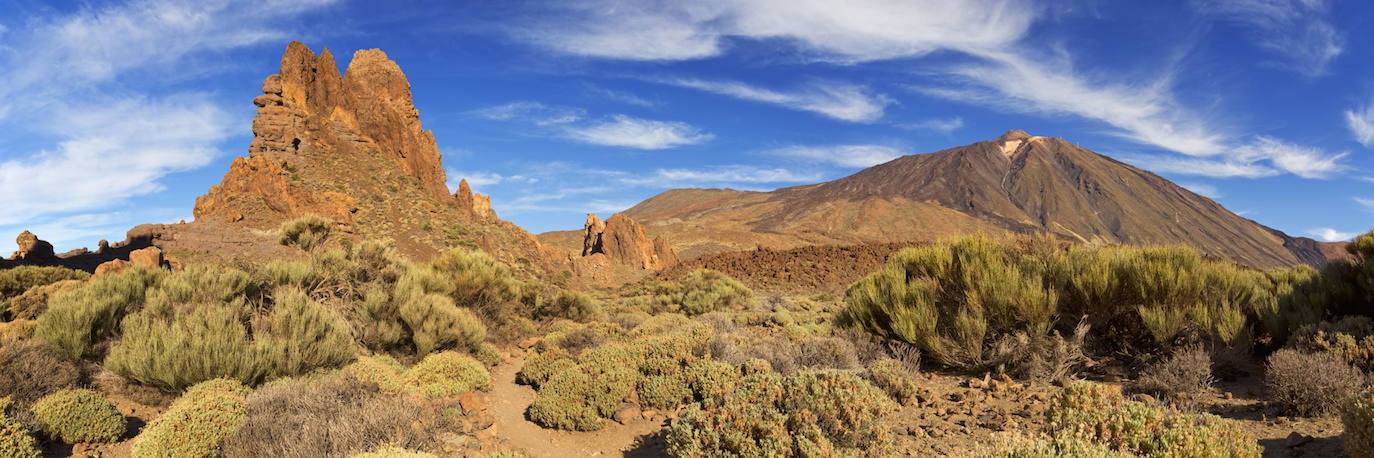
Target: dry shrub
1350	339
448	374
79	416
1181	378
1099	414
827	353
1313	384
1043	358
332	416
30	370
196	424
893	377
306	232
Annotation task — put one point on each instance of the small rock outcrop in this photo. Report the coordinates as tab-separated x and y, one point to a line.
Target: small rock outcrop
624	241
31	249
478	204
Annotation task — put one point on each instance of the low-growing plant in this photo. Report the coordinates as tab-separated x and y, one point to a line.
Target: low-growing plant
79	416
1351	339
1312	384
16	280
1357	417
664	391
1042	358
700	291
34	302
391	451
448	374
1100	414
476	280
567	401
435	323
15	440
197	423
382	371
539	368
305	232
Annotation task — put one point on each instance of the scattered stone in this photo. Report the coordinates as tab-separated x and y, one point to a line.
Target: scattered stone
471	403
148	258
626	414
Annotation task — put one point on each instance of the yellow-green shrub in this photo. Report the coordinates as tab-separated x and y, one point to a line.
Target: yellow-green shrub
811	413
34	302
16	280
1358	419
435	323
892	377
305	232
15	440
664	391
79	320
539	368
383	371
568	401
1018	445
393	452
476	280
1099	413
700	291
196	424
301	335
448	374
79	416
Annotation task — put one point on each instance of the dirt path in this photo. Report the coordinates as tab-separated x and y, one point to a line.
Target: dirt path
508	404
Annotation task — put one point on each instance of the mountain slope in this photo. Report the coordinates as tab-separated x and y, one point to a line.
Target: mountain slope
1015	183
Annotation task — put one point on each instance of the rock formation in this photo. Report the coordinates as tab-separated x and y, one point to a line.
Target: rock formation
350	147
624	241
138	248
1016	183
31	249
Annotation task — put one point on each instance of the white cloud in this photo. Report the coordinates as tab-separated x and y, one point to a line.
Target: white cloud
476	179
1365	202
857	156
1298	31
1202	189
940	125
620	96
110	152
845	102
1202	167
630	132
1361	124
1327	234
1303	161
853	31
533	112
723	174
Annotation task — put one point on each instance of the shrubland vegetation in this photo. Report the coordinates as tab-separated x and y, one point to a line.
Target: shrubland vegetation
350	349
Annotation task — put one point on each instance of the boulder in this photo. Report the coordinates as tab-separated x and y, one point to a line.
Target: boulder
624	241
111	266
31	248
148	258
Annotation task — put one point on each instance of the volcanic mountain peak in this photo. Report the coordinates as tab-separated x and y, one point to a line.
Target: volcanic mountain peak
1016	183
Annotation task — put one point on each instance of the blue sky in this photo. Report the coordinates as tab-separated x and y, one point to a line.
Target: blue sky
114	114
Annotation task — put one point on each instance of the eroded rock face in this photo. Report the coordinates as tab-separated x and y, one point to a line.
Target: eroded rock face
311	122
623	241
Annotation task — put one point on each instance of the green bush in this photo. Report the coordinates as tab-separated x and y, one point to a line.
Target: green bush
571	305
953	299
811	413
221	338
15	440
700	291
34	302
1312	384
664	391
76	322
383	371
79	416
1025	446
197	423
1099	413
448	374
435	323
539	368
16	280
476	280
306	232
1358	419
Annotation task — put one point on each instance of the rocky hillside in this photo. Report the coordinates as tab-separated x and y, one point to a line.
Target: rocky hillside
1016	183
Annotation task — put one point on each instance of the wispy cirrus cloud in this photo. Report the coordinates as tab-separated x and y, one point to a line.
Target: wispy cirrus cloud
853	156
1360	121
1263	157
1367	203
940	125
1201	167
1300	32
845	102
1202	189
616	130
1303	161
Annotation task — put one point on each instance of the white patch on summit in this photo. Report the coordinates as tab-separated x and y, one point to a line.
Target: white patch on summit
1009	147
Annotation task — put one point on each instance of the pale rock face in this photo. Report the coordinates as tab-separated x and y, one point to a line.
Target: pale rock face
624	241
478	204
